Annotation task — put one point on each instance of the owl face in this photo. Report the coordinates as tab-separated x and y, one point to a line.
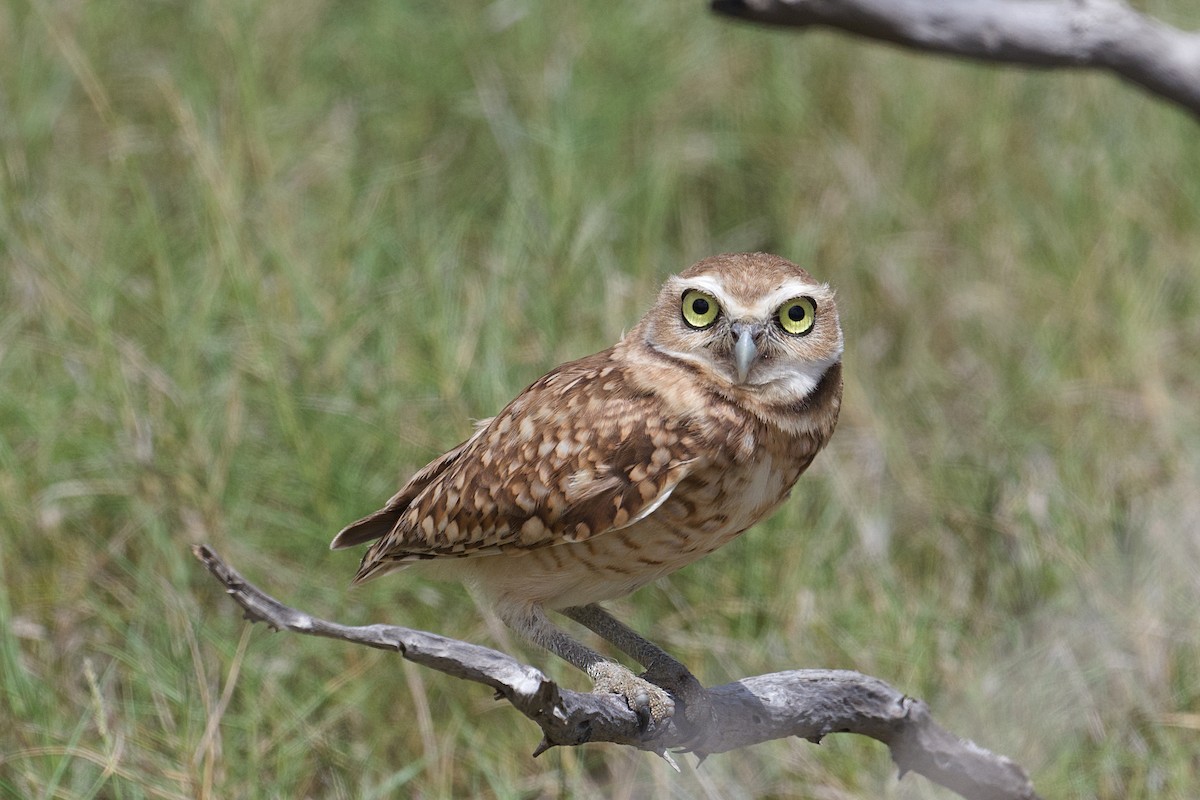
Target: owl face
751	322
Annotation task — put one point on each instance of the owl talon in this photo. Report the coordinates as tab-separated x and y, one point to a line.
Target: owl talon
652	705
641	707
698	717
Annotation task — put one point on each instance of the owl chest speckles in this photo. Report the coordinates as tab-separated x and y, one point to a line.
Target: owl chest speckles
722	501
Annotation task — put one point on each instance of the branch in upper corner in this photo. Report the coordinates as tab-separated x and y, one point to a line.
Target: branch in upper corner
806	703
1101	34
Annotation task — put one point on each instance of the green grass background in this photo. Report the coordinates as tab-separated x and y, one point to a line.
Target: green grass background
262	260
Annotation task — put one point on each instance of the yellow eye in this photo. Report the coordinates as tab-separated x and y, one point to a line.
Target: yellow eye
700	309
797	316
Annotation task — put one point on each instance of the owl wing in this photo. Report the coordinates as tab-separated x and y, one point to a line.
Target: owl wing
578	454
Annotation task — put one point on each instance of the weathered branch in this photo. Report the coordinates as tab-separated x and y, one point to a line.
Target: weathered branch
1101	34
806	703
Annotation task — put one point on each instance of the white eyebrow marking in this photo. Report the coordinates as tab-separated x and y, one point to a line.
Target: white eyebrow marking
766	305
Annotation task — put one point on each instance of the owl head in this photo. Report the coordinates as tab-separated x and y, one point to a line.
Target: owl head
751	323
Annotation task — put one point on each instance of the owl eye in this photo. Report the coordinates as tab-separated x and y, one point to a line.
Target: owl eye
700	309
798	315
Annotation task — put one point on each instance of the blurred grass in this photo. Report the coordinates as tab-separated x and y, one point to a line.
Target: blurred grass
262	260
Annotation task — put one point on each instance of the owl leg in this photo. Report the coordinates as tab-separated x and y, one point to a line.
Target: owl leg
662	669
649	701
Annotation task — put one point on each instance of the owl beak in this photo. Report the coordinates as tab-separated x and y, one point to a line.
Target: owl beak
745	349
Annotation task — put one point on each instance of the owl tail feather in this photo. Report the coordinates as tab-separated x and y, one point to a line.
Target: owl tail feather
367	529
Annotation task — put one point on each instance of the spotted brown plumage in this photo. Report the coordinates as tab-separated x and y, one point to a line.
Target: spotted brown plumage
576	455
626	465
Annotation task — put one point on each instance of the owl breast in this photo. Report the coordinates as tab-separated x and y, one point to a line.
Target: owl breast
712	506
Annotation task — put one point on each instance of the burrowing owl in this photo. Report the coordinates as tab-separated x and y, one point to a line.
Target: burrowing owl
622	467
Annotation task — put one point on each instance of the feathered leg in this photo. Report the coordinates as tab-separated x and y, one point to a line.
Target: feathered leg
649	701
662	668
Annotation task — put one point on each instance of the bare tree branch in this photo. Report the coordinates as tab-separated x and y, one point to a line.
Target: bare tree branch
809	703
1102	34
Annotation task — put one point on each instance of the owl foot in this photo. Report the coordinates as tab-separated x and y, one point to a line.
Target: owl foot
698	717
650	703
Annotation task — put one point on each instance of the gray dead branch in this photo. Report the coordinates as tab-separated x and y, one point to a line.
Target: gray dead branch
808	703
1097	34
